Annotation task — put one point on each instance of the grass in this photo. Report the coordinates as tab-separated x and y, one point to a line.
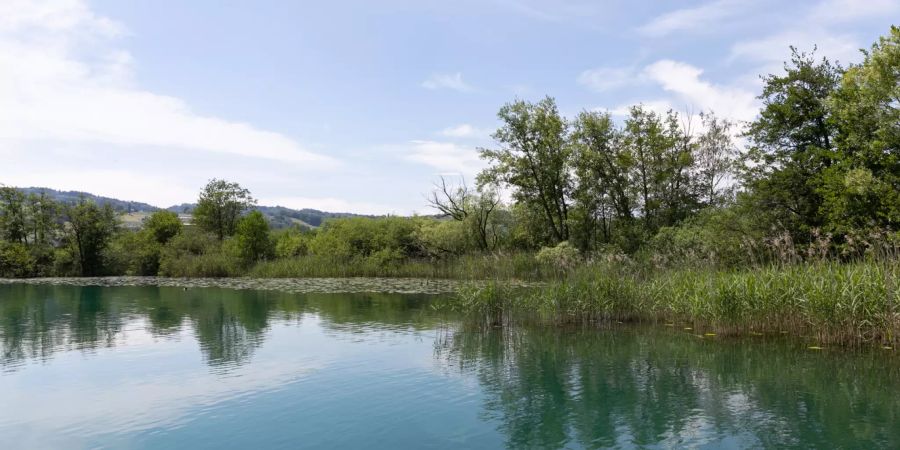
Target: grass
831	302
515	266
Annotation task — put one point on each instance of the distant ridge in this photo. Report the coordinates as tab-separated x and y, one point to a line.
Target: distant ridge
278	216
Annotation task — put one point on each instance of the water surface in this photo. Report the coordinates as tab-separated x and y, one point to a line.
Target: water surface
165	367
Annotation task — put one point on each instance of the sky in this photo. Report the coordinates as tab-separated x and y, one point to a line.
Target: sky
360	106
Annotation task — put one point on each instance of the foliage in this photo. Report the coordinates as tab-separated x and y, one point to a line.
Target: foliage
88	232
533	159
252	237
220	206
388	239
133	253
563	256
163	226
292	242
196	253
15	260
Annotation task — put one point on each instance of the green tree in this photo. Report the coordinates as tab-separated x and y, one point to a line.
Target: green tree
602	166
13	215
863	188
163	225
43	219
474	209
714	159
89	230
792	142
533	159
253	241
220	206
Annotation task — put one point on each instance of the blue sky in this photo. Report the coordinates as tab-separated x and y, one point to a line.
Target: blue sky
360	105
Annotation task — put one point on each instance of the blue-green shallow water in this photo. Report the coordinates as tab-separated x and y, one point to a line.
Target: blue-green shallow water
149	367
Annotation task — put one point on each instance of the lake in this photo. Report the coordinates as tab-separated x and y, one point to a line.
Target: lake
206	367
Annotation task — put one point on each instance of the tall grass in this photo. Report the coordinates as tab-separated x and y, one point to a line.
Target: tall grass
831	302
513	266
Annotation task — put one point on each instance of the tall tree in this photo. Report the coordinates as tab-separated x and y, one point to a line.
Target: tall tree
863	188
13	215
602	167
89	230
792	142
220	206
714	158
533	159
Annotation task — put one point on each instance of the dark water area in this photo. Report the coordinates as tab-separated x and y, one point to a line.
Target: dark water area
207	367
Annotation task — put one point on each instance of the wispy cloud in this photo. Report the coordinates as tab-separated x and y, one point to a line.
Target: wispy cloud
604	79
465	131
65	80
452	81
691	92
445	157
836	11
693	19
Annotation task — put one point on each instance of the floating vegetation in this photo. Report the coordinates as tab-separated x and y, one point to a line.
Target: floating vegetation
293	285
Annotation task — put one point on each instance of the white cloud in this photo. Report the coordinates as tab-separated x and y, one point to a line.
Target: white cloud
836	11
684	81
446	157
452	81
695	19
465	131
603	79
63	80
774	49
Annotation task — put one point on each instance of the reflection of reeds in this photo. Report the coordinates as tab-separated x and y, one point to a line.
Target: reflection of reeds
832	302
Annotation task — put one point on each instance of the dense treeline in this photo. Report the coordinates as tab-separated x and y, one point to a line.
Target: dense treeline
815	176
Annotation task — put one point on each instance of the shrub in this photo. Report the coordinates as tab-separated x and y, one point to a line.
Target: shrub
15	260
562	257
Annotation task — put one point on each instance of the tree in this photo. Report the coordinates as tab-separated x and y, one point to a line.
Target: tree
474	209
163	225
220	205
714	158
253	239
602	166
863	187
13	215
89	230
792	142
533	159
43	219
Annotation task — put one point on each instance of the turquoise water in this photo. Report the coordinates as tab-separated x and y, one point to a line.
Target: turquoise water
163	367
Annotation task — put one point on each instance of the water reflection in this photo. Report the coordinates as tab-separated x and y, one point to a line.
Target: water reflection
164	366
37	321
642	388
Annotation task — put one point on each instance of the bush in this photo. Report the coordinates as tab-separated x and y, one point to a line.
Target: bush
133	253
194	253
292	242
563	257
347	238
252	238
15	260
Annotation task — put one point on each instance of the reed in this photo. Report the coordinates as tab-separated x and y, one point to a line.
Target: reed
832	302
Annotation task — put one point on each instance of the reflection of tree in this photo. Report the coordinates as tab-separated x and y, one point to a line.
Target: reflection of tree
553	388
36	320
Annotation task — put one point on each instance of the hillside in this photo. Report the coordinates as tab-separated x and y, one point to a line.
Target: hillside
134	212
